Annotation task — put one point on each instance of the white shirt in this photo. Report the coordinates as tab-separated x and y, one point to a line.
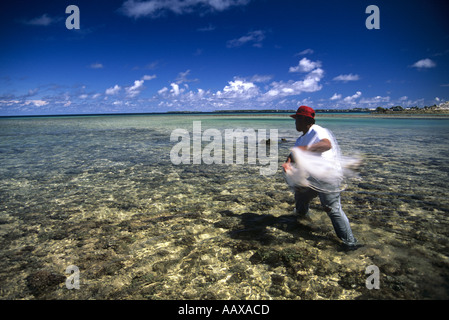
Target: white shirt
315	134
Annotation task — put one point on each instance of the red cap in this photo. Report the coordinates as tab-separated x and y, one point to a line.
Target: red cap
304	111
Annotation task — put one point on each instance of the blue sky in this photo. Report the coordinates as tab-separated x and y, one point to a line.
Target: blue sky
207	55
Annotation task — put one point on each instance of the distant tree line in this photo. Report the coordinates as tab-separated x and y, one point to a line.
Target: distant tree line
415	109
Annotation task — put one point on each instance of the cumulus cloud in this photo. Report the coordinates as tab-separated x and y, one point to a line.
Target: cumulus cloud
114	90
238	86
242	92
43	20
182	77
311	83
22	106
347	77
36	103
239	89
130	91
351	99
162	91
237	93
175	89
336	97
255	37
368	102
375	101
305	65
148	77
424	64
155	8
257	91
135	89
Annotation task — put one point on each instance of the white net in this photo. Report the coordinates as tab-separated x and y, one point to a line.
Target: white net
323	174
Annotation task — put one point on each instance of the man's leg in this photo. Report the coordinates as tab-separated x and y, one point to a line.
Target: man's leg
332	205
302	199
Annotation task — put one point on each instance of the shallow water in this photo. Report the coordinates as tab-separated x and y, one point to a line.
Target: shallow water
101	193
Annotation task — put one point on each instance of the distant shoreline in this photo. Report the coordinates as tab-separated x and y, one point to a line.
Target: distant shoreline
396	115
262	113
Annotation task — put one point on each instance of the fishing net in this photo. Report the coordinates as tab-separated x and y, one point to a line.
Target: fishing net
323	174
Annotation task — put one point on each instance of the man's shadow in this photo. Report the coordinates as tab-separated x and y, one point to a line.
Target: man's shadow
262	228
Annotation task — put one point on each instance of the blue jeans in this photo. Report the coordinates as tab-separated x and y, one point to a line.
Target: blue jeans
332	205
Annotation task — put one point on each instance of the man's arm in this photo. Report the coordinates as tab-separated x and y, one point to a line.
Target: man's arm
321	146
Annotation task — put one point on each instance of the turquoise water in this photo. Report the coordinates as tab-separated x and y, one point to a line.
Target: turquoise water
101	193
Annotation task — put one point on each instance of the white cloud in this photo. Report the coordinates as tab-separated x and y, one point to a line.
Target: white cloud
135	89
113	90
36	103
131	91
378	100
311	83
347	77
336	97
96	65
147	77
255	37
238	86
175	89
239	89
237	93
162	91
9	102
305	65
424	64
182	77
351	99
305	52
43	20
260	78
156	8
240	93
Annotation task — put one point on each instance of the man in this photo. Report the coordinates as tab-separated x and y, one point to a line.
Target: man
318	140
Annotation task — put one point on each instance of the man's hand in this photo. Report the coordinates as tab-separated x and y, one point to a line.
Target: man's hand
286	165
